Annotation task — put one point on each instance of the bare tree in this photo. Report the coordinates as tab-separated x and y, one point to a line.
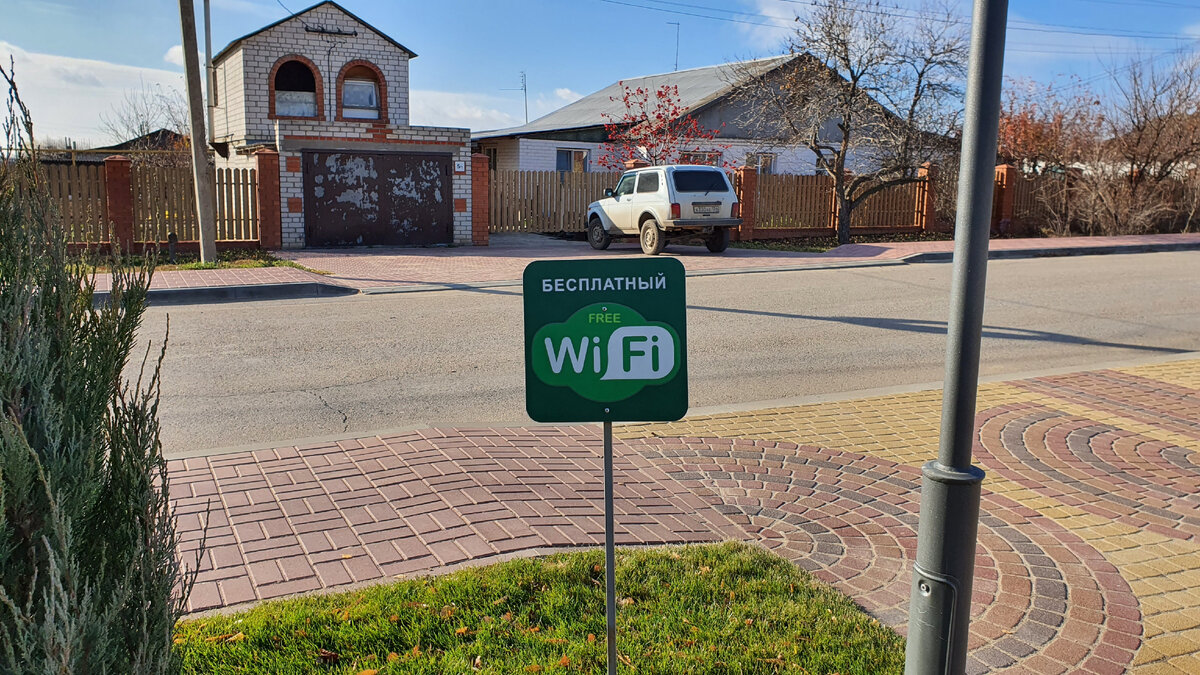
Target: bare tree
145	110
873	97
1152	129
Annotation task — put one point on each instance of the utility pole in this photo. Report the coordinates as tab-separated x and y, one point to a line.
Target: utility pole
210	75
676	24
202	174
524	88
940	605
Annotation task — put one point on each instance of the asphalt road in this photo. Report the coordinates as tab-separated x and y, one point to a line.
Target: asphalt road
261	372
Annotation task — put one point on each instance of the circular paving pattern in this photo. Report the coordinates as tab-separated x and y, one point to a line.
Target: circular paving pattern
1043	601
1107	472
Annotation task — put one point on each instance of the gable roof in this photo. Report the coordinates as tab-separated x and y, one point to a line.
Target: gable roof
232	45
159	139
698	87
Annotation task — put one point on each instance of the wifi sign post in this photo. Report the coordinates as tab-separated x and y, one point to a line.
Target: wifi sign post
606	341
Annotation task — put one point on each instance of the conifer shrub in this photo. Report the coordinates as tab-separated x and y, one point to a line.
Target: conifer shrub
89	577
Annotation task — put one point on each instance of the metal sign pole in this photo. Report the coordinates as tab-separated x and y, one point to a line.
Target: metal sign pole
940	605
610	556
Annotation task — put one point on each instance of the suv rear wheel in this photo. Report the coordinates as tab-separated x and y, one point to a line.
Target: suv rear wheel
652	237
718	241
597	236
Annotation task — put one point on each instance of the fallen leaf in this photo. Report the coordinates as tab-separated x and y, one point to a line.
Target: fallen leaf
218	638
595	568
535	668
301	633
731	596
499	600
347	556
624	659
705	569
556	641
447	612
477	663
237	637
180	640
507	616
591	637
625	602
369	671
564	661
327	656
749	621
461	630
393	656
535	629
416	650
394	618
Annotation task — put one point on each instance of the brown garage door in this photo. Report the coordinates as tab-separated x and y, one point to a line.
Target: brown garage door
372	199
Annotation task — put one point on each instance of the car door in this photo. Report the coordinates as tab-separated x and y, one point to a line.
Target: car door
618	207
647	196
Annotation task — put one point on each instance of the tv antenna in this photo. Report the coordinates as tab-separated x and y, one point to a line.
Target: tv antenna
676	24
524	88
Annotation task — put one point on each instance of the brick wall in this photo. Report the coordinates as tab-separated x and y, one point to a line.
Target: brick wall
296	134
229	116
329	55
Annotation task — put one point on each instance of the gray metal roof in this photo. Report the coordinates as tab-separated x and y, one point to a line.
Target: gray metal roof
697	88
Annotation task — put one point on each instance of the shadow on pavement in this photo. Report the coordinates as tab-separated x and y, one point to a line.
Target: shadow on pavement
939	328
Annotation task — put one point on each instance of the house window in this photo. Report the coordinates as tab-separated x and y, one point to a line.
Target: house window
492	155
295	90
763	161
707	158
360	93
571	161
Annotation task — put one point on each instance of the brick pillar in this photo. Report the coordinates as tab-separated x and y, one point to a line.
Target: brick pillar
926	217
270	217
118	190
480	199
1002	199
636	164
747	182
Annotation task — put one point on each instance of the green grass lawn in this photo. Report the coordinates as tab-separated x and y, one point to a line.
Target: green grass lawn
723	608
234	259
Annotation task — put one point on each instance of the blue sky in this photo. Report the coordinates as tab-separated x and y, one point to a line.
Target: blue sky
74	58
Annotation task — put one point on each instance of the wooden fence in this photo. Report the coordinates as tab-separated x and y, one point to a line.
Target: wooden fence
165	201
78	192
543	201
786	202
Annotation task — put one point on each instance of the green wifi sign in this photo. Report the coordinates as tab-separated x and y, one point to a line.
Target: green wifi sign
605	340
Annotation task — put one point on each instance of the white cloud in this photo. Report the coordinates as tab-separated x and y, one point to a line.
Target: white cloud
567	95
477	112
66	95
1192	30
174	55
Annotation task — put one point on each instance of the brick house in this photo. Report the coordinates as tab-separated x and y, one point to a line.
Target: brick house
330	94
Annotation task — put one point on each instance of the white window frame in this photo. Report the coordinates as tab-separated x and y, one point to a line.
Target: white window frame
356	111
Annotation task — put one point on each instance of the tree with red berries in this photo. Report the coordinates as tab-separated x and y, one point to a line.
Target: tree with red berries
654	127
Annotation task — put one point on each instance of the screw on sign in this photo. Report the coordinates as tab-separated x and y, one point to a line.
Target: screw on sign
605	341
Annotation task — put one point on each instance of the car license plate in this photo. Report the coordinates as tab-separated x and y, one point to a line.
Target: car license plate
705	209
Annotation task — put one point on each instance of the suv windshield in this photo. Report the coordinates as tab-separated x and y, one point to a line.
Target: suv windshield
699	180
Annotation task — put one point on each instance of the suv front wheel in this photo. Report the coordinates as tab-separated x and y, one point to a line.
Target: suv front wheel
597	236
653	240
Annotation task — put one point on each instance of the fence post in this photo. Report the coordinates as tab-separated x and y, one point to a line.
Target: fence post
480	206
747	181
1002	202
926	204
270	218
118	190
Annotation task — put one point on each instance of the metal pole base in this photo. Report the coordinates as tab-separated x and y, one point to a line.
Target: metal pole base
940	604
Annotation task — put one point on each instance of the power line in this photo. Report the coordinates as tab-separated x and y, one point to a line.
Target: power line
1092	31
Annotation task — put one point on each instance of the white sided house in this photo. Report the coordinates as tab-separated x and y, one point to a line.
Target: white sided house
330	93
570	138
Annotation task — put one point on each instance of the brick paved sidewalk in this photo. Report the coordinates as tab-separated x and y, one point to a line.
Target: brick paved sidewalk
507	257
254	276
1087	558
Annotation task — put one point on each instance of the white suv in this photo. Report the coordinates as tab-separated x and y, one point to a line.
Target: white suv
660	203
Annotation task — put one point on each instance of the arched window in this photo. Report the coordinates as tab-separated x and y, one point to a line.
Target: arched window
295	88
362	92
